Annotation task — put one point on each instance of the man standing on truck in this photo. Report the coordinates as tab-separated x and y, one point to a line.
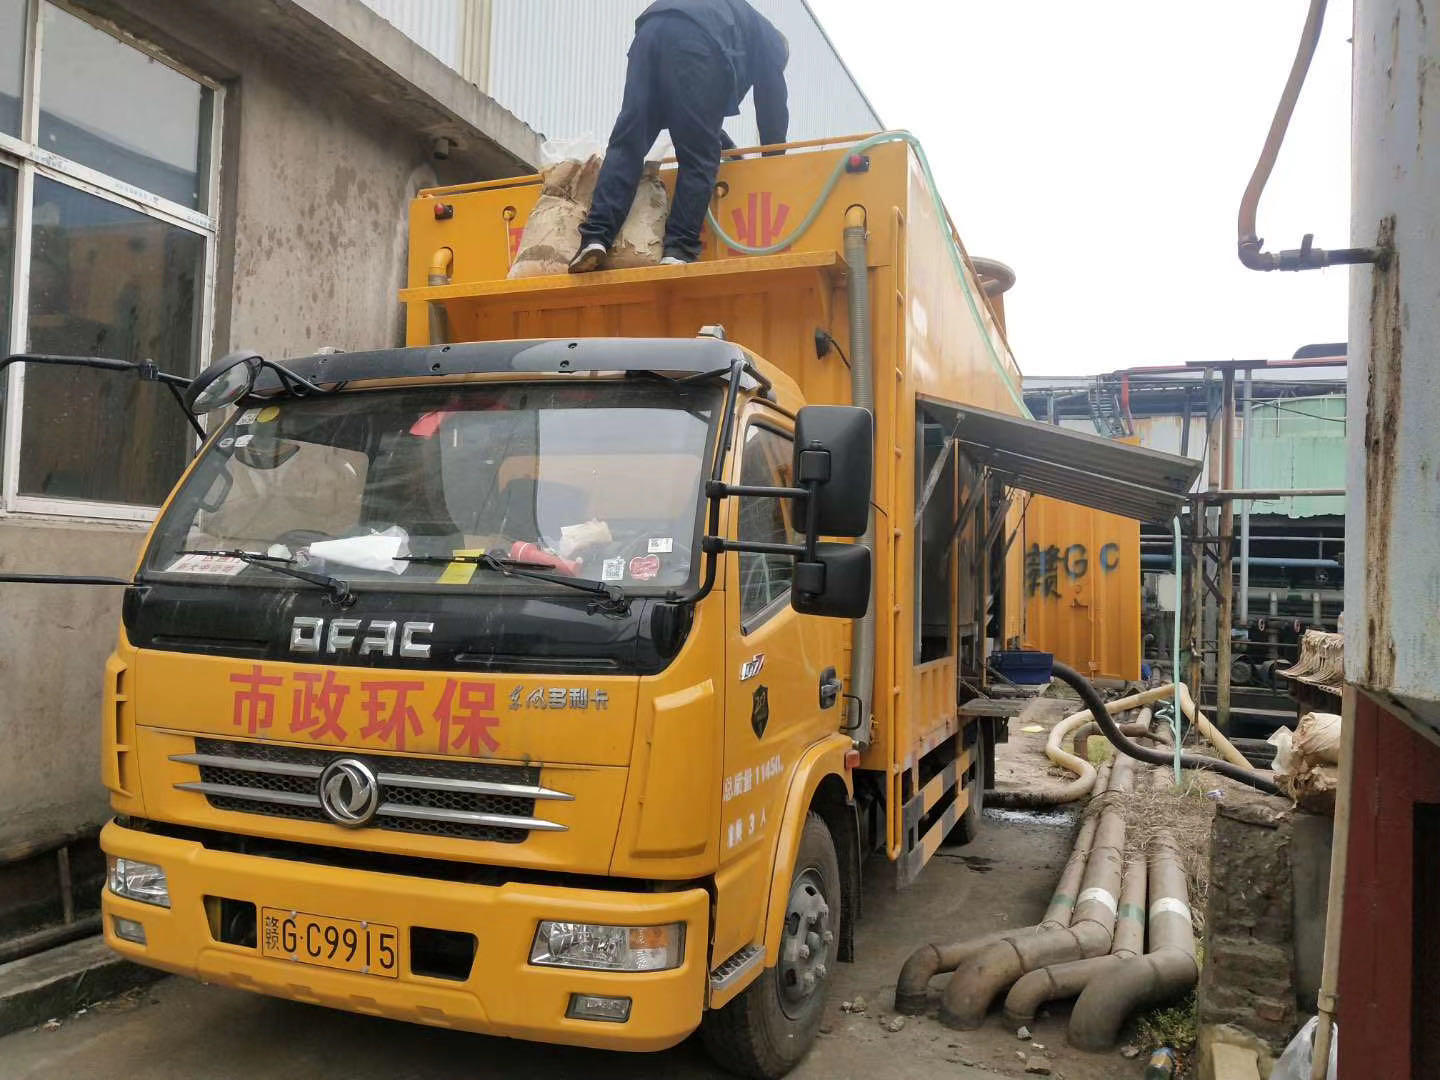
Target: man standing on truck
691	64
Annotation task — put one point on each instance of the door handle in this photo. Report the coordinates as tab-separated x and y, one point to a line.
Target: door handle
830	687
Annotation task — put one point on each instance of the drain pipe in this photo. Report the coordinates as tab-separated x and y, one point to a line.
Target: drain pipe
982	977
1163	974
440	264
930	960
862	394
1035	988
1098	709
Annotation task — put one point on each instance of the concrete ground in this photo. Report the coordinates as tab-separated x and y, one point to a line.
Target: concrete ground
178	1030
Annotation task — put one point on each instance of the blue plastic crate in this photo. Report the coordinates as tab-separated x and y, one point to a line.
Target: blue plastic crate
1028	667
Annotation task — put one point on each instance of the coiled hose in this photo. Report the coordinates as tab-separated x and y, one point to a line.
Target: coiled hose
1106	722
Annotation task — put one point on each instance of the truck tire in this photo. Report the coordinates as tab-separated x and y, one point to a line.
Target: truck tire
765	1030
967	826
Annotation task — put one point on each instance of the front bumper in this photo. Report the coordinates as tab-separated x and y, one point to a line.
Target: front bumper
504	994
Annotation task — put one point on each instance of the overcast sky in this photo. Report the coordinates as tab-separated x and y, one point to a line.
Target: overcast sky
1101	149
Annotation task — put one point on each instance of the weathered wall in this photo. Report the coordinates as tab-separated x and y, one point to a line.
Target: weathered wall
314	182
53	643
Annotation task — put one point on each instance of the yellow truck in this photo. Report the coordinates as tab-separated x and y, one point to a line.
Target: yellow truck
553	676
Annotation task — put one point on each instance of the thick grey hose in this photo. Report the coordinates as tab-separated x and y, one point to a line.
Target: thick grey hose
862	394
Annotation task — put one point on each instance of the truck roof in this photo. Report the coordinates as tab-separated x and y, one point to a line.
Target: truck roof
545	356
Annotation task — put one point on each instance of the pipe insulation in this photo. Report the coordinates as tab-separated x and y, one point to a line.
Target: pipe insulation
934	959
985	975
1035	988
1163	974
862	394
1100	711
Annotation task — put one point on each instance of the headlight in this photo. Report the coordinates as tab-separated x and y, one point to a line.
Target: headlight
609	948
137	880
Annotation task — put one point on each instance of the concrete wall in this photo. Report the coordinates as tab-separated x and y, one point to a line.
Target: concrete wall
317	166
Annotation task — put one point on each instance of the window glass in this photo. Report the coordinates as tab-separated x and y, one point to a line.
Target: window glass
764	579
12	63
600	482
106	281
118	110
7	254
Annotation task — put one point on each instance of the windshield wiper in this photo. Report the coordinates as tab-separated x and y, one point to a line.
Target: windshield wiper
338	588
614	596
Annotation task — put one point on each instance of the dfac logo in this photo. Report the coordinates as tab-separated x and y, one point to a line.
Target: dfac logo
349	792
762	221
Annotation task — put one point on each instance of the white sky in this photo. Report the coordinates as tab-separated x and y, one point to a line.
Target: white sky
1101	150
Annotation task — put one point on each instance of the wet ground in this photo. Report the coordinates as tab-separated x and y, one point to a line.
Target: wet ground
178	1030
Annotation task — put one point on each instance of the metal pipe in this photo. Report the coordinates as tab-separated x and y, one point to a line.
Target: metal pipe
49	938
1315	610
1156	540
1249	244
862	394
1335	904
1245	443
1273	633
1035	988
933	959
983	976
1267	494
1225	620
440	263
1167	971
1156	559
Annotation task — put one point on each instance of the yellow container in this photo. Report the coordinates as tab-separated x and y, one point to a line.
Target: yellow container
1081	582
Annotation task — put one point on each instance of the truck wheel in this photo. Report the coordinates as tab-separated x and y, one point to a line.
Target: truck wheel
770	1025
967	826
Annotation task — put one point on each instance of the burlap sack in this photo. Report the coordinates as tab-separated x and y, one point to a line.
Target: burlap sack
552	232
642	238
552	237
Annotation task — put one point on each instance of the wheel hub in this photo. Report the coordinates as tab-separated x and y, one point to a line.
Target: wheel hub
805	944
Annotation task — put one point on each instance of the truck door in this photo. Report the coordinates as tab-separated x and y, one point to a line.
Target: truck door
774	657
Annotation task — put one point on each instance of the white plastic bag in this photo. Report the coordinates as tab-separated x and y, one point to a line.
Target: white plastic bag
575	148
1294	1063
1282	739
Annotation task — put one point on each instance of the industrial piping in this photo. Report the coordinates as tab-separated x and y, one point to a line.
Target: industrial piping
862	394
1035	988
930	960
440	264
983	976
1163	974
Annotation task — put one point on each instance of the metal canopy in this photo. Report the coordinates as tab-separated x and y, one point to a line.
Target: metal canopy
1132	481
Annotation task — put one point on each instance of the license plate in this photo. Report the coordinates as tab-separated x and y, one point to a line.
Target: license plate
345	944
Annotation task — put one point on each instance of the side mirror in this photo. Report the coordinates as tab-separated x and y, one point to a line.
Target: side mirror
834	452
836	584
223	383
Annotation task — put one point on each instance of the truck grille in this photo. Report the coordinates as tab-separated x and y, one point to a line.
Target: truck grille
432	796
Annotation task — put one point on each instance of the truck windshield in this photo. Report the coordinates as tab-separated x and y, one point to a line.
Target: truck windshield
598	480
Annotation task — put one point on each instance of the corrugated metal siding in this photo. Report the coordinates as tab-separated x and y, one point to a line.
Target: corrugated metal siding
1081	582
434	25
559	65
1299	443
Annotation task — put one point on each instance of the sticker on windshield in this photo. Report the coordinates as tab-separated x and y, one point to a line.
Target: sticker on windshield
249	416
613	570
206	564
644	567
662	544
243	441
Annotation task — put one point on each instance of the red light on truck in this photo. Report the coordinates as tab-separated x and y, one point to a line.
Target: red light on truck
444	211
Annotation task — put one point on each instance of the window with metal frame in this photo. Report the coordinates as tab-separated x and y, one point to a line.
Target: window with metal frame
108	158
765	461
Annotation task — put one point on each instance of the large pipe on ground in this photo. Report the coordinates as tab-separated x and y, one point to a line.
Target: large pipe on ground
983	976
1098	709
862	394
1163	974
934	959
1035	988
